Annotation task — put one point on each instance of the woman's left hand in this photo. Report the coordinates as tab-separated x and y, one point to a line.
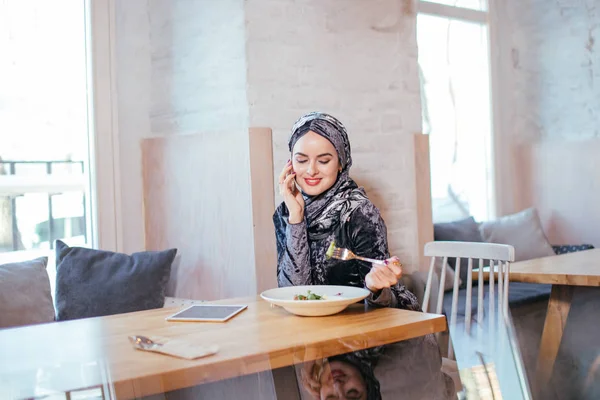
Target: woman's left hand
384	276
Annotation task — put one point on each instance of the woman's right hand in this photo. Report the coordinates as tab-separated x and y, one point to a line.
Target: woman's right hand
314	375
291	195
310	378
384	276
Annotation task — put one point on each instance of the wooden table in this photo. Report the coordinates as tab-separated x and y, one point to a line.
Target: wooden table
565	272
259	339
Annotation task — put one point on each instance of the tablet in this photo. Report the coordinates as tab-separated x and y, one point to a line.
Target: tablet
207	312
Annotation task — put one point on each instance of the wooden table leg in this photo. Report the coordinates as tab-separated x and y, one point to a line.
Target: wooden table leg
556	320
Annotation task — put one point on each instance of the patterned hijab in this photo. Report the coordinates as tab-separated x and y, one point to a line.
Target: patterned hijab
325	212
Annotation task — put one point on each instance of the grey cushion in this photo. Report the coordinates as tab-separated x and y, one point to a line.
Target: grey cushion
464	230
523	231
92	283
25	296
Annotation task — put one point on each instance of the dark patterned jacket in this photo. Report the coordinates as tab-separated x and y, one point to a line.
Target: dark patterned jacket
301	260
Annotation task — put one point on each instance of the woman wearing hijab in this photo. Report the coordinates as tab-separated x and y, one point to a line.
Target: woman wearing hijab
321	203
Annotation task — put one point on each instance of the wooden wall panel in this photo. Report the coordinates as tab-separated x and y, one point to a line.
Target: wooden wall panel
263	207
423	194
198	198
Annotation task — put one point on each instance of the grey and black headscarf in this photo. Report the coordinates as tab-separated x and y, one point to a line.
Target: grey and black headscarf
325	212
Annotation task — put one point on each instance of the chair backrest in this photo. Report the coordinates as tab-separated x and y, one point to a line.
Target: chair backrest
497	256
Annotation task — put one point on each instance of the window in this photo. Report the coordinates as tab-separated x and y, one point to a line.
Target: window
454	67
44	163
58	135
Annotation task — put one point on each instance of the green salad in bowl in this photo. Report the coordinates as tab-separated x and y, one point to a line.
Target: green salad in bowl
309	296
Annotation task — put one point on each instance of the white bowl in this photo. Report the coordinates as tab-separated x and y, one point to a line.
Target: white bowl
338	298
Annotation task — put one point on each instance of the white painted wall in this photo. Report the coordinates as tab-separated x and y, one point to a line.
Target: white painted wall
555	66
180	70
549	69
185	66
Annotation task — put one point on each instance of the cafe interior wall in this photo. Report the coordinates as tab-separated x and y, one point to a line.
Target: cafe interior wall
278	59
190	67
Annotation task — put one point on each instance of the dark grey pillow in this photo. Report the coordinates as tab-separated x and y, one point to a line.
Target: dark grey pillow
464	230
93	283
25	296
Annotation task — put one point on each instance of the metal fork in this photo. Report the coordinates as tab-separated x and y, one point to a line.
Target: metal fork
144	342
345	255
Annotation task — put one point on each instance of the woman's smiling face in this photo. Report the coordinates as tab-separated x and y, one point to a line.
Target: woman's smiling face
342	381
316	163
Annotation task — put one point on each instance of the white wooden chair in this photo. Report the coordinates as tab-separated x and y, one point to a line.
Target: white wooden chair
497	256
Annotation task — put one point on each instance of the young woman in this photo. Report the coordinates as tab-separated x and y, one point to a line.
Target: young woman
321	203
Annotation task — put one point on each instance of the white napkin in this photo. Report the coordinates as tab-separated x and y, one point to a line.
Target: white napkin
181	348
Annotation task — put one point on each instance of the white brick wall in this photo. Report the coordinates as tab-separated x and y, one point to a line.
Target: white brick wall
180	69
326	55
183	67
554	60
548	82
198	67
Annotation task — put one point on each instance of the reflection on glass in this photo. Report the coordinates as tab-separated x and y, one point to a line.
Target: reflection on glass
453	59
53	382
488	356
408	369
349	376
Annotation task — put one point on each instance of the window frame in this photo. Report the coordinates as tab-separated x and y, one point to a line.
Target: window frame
104	183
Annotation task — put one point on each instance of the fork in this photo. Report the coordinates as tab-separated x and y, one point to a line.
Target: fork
144	342
344	254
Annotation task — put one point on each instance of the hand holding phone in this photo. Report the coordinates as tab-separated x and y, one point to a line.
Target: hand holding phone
291	195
